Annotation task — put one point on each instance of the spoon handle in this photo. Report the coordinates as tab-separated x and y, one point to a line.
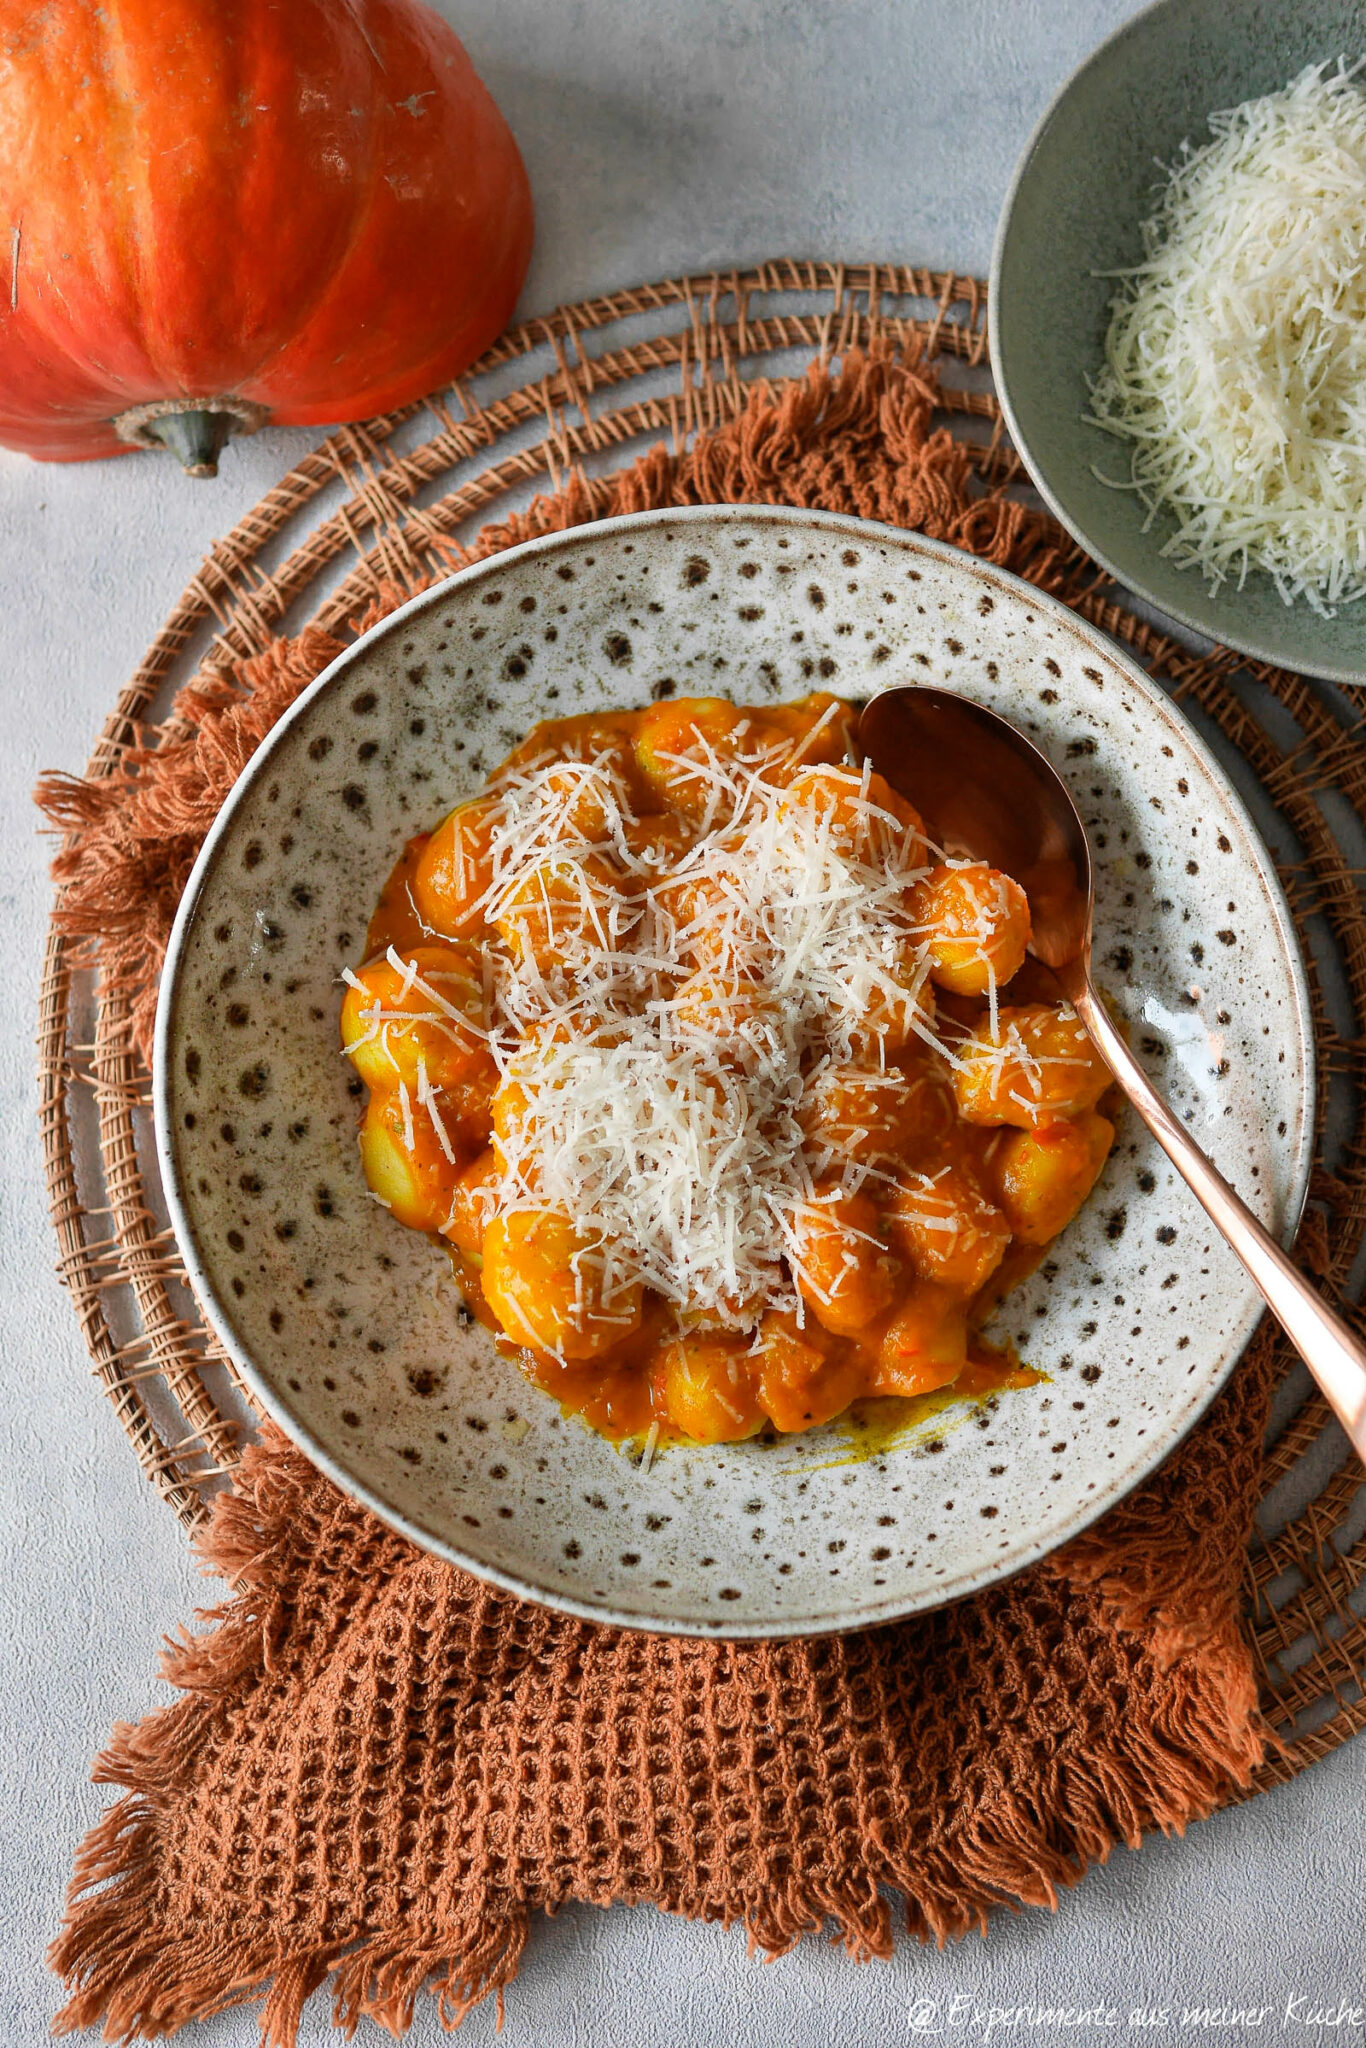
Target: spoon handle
1335	1357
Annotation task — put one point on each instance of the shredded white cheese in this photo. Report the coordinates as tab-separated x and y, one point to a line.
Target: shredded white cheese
1236	354
663	1044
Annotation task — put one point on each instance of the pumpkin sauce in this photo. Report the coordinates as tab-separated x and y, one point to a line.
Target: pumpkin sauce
928	1112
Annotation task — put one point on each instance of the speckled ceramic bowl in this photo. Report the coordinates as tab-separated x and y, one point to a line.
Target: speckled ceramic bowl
1086	182
346	1324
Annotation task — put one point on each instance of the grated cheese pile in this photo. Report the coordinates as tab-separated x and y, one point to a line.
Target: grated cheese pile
1236	354
662	1100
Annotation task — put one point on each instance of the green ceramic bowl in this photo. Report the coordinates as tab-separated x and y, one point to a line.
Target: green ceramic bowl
1086	182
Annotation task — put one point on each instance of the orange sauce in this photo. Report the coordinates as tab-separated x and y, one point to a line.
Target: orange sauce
626	1392
396	921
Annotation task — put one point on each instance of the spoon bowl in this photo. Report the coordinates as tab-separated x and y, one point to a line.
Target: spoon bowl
987	793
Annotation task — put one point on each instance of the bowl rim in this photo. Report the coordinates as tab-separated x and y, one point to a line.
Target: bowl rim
219	1316
1185	614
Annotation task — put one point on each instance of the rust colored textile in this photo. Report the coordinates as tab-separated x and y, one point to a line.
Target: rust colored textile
380	1767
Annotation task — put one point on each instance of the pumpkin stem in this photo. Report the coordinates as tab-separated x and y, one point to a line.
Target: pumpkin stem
194	429
196	439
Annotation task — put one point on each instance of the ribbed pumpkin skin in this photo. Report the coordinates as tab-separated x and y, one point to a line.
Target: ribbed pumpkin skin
312	204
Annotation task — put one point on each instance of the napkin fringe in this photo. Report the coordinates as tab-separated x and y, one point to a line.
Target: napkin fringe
144	1983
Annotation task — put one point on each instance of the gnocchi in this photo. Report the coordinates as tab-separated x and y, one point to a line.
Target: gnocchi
705	1071
1036	1066
976	927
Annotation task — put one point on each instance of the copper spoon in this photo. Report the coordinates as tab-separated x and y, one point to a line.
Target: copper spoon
986	792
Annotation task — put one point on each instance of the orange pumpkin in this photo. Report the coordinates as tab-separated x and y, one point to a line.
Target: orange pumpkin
215	213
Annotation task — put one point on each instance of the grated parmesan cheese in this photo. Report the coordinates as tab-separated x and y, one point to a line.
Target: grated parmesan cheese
660	1108
1236	353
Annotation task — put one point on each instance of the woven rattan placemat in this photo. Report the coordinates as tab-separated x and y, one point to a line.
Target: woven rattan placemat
388	503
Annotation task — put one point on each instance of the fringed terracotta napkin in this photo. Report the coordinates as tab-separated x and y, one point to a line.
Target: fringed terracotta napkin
380	1768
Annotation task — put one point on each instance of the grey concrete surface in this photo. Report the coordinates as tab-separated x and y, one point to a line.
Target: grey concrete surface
660	134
